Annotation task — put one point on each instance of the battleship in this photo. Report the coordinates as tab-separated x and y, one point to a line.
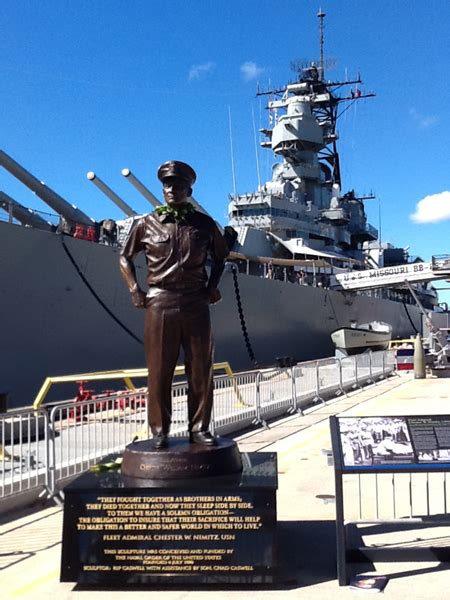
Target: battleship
65	309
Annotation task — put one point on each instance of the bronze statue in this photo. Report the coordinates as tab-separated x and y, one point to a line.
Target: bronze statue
176	240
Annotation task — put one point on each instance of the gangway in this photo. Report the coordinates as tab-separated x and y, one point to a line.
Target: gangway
438	268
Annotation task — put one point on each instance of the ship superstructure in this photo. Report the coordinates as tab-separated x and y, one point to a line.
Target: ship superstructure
64	308
303	204
302	212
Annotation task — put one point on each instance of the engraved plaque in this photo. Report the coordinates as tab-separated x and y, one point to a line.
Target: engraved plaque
200	533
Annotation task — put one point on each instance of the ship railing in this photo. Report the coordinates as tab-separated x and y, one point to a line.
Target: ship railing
7	215
42	448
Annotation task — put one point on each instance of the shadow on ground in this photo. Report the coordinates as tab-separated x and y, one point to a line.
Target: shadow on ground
307	552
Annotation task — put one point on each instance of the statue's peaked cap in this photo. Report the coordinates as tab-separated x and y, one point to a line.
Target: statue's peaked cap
176	168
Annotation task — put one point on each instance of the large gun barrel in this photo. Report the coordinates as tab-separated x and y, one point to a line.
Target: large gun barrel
54	200
141	187
126	208
23	214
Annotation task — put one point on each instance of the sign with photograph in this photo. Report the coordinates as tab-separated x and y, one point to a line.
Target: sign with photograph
412	442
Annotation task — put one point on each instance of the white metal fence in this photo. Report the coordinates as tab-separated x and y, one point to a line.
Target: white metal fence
40	448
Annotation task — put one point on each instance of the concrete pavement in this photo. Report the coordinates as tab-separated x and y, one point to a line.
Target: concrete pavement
31	543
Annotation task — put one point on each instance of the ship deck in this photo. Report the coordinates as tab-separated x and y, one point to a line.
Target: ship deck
31	540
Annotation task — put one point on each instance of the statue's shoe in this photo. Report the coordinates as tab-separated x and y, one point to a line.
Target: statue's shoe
202	437
160	441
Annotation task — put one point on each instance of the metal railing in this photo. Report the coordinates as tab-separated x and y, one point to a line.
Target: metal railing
40	448
126	375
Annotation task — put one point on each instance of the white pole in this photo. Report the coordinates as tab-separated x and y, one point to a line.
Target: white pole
256	148
232	154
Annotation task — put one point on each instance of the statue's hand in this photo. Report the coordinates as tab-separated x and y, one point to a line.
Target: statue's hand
214	296
138	298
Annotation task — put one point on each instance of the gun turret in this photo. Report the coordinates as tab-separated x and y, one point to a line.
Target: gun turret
54	200
21	213
126	208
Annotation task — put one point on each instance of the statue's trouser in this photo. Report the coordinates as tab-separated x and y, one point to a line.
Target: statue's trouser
174	320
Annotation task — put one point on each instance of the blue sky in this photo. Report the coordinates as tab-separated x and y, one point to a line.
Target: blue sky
105	84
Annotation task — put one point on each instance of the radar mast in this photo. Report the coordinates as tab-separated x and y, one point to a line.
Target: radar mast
321	16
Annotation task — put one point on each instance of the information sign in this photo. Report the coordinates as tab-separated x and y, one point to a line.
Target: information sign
392	443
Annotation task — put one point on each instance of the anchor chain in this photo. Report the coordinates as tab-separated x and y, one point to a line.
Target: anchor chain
248	345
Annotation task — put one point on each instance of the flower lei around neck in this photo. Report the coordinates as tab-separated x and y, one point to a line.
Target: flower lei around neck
177	213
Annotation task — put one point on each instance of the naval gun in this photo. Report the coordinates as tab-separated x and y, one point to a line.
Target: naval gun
141	188
109	193
69	212
21	213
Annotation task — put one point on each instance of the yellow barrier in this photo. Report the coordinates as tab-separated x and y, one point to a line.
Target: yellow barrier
393	344
125	374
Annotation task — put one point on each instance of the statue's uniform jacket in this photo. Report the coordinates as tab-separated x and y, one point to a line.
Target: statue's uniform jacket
177	309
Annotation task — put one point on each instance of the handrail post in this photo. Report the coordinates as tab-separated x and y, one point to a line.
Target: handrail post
383	364
294	392
318	397
341	383
258	420
293	408
51	458
371	379
356	384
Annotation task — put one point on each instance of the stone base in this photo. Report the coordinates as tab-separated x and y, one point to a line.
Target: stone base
182	460
201	533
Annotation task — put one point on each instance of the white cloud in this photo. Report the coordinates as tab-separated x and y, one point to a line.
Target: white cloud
432	209
422	121
250	70
199	71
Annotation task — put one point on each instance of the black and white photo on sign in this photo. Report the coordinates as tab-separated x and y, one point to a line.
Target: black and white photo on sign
374	440
432	455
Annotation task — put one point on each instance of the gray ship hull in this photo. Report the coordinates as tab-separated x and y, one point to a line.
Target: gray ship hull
64	309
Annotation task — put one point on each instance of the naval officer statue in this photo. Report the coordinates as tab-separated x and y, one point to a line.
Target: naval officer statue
176	240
